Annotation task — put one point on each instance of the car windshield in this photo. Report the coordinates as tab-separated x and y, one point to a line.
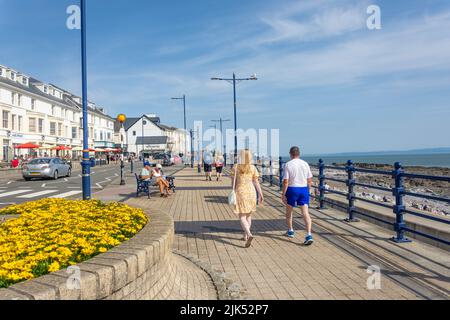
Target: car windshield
39	161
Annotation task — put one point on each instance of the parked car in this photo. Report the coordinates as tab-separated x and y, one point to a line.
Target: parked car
46	168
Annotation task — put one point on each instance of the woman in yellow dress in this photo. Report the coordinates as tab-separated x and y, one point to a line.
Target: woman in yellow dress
247	188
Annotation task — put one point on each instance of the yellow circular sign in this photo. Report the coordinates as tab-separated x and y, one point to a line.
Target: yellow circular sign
121	118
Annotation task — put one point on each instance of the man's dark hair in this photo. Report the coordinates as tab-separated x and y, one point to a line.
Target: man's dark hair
295	152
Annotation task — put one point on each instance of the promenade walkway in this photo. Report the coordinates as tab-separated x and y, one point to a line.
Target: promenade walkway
276	267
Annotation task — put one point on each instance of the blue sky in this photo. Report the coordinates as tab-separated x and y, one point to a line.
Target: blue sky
326	81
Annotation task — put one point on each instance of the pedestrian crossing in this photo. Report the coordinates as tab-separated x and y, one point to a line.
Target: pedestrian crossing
26	194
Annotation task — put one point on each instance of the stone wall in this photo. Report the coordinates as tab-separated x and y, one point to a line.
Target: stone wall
140	268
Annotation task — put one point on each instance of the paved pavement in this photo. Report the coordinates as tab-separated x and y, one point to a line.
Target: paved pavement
15	190
275	267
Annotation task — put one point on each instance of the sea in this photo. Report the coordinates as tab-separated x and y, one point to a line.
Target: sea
423	160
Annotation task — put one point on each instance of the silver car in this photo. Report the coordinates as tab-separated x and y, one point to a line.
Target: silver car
46	168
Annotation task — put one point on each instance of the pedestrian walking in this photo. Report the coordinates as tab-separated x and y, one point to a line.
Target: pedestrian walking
246	187
218	164
207	164
297	182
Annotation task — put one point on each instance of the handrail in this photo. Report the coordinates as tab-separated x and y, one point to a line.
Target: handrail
274	170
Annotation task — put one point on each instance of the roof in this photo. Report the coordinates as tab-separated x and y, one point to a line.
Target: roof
152	140
66	101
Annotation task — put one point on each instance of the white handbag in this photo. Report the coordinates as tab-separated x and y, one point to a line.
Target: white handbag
232	196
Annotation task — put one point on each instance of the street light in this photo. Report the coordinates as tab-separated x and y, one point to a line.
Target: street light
185	127
86	165
122	118
221	121
144	123
233	81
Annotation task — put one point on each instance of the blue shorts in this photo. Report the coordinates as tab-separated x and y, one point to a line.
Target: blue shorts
297	196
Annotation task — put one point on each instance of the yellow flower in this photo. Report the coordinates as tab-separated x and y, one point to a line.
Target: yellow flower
51	234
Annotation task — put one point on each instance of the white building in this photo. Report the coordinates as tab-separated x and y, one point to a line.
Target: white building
43	114
147	135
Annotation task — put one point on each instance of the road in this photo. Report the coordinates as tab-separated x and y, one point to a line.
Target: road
17	190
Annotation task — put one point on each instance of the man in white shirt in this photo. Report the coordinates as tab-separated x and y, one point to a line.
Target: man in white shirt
297	182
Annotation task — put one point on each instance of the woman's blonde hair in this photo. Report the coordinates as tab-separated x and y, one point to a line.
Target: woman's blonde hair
245	162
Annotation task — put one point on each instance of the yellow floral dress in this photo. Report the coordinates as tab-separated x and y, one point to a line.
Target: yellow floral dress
245	190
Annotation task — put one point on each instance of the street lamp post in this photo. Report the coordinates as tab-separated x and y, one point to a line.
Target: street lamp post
233	81
86	165
221	121
185	125
144	123
192	148
122	118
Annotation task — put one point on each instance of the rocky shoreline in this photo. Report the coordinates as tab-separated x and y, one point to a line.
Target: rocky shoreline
420	186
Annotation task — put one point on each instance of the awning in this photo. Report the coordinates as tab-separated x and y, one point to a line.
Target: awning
28	145
62	148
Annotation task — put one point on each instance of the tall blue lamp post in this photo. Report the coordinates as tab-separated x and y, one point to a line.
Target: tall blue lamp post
86	165
233	81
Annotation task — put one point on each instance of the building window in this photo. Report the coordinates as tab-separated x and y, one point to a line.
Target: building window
109	136
32	124
66	131
13	98
53	110
33	104
19	99
53	128
41	125
134	133
101	135
13	76
19	123
13	122
74	132
45	89
24	81
5	115
1	72
60	129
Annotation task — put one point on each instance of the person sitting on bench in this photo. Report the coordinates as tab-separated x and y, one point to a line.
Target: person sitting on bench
160	181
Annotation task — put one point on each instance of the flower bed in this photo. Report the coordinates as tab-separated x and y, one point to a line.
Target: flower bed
52	234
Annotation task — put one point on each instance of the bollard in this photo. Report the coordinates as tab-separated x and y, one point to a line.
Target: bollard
321	184
132	165
280	172
399	207
271	171
263	169
350	169
122	166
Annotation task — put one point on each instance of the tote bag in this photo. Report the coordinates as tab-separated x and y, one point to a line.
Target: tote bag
232	196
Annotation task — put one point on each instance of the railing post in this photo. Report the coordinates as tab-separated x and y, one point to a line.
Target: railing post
399	207
350	169
263	169
271	171
280	172
321	184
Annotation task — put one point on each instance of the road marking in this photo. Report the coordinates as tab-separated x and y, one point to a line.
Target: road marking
67	194
11	193
98	185
10	182
43	185
37	194
116	174
65	180
79	175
